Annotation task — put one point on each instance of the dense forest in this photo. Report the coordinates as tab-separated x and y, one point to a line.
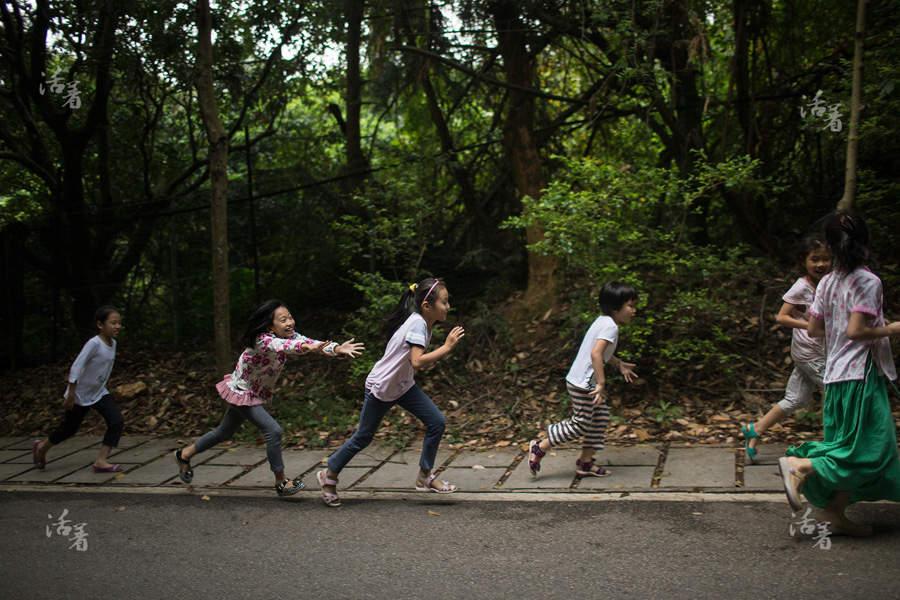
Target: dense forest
166	156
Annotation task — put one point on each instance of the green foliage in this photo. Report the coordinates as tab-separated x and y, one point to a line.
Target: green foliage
612	222
665	413
379	298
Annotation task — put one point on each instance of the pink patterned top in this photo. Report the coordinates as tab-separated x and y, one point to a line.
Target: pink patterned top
258	368
838	295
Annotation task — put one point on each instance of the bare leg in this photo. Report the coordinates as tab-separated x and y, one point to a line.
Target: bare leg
102	461
42	450
331	489
775	415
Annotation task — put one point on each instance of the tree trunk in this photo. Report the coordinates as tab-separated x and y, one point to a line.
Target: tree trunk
847	201
218	177
357	163
521	150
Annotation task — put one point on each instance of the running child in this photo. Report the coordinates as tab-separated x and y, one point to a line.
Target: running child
586	383
858	458
808	353
391	382
87	390
269	339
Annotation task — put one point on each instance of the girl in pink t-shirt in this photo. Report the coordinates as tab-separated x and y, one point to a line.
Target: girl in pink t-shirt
391	382
857	459
808	353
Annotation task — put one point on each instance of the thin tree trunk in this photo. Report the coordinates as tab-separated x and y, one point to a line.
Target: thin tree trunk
218	177
847	201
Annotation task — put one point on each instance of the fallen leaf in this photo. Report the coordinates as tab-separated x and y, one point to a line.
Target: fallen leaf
477	466
431	512
642	435
204	497
120	508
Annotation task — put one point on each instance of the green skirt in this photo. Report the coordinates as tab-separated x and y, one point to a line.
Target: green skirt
859	452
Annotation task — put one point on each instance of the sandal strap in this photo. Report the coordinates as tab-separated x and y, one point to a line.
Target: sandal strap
536	450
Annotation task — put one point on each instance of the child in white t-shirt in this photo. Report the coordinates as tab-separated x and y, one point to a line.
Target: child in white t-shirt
807	352
586	381
391	381
86	390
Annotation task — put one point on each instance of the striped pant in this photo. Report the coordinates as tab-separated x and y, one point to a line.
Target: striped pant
588	421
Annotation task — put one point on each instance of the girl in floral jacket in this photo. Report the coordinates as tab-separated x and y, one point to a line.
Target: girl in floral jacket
270	338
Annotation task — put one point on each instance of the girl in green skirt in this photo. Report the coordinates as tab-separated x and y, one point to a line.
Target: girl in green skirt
858	459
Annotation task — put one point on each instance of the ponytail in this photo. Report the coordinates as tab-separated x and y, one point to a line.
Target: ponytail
848	237
418	293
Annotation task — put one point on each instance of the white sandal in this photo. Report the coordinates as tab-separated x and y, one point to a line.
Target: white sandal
424	485
330	499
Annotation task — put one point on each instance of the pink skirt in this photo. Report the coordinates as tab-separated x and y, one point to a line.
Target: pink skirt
230	396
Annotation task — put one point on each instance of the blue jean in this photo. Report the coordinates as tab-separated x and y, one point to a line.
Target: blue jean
234	417
373	411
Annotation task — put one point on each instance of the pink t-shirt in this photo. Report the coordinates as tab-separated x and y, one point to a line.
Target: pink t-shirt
392	376
803	347
258	368
838	296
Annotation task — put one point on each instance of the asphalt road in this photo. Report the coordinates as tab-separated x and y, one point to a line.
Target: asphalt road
151	546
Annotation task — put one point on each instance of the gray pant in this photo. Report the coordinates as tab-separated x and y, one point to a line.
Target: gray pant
234	417
806	377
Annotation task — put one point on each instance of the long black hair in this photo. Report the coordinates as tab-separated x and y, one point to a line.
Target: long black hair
260	321
425	290
848	237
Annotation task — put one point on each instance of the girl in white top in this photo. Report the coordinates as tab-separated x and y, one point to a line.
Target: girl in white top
391	381
807	352
586	381
87	390
857	460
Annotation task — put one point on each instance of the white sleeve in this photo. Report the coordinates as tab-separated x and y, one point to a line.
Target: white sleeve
89	349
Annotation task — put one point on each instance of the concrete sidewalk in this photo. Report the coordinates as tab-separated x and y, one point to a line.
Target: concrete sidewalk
640	470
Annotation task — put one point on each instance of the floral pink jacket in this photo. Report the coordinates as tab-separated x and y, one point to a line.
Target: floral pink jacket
258	368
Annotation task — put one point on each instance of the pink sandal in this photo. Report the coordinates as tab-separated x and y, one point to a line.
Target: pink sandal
585	469
323	479
535	454
424	485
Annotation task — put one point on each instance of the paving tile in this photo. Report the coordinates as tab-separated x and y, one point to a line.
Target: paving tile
557	471
499	457
296	463
58	468
242	455
212	475
762	477
12	471
628	455
622	478
87	475
468	479
699	467
13	443
157	472
144	453
16	456
400	471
